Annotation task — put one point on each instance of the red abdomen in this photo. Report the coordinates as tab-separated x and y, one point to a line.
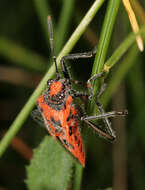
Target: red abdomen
62	123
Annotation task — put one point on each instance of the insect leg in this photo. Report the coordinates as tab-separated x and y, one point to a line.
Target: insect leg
37	117
80	94
108	132
72	57
90	88
100	131
105	115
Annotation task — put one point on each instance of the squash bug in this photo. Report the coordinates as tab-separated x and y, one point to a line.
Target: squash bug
61	116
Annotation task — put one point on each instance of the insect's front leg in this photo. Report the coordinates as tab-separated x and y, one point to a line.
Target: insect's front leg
89	85
37	117
79	94
73	57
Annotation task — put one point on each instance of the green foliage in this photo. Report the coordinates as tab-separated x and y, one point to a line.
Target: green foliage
50	168
104	41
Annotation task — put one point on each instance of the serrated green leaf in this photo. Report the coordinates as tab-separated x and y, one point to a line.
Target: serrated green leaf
50	168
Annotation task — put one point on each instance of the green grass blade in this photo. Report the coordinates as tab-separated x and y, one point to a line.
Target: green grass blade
105	37
124	46
118	76
81	28
125	65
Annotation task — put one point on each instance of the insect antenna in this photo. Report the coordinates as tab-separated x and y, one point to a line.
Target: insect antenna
50	30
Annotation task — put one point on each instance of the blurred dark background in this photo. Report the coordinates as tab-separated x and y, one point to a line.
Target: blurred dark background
24	55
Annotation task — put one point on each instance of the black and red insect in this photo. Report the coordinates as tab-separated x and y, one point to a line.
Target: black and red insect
61	116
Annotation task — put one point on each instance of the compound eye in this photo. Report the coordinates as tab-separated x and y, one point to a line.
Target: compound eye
61	96
49	82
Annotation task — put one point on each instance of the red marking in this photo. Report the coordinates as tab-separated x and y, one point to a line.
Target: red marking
55	88
78	147
72	142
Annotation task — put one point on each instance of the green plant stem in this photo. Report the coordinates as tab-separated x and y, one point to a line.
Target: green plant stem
118	76
124	66
105	37
81	28
16	125
124	46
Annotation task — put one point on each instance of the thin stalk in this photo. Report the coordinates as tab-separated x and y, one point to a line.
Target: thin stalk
20	119
125	65
124	46
105	38
118	76
81	28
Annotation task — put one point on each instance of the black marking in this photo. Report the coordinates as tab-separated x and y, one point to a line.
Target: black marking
70	116
78	109
55	124
70	130
68	144
64	105
55	106
40	109
76	138
79	143
49	82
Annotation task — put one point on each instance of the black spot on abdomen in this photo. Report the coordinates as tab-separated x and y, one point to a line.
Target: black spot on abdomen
70	130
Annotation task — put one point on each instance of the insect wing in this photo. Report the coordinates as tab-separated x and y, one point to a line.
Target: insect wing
72	141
